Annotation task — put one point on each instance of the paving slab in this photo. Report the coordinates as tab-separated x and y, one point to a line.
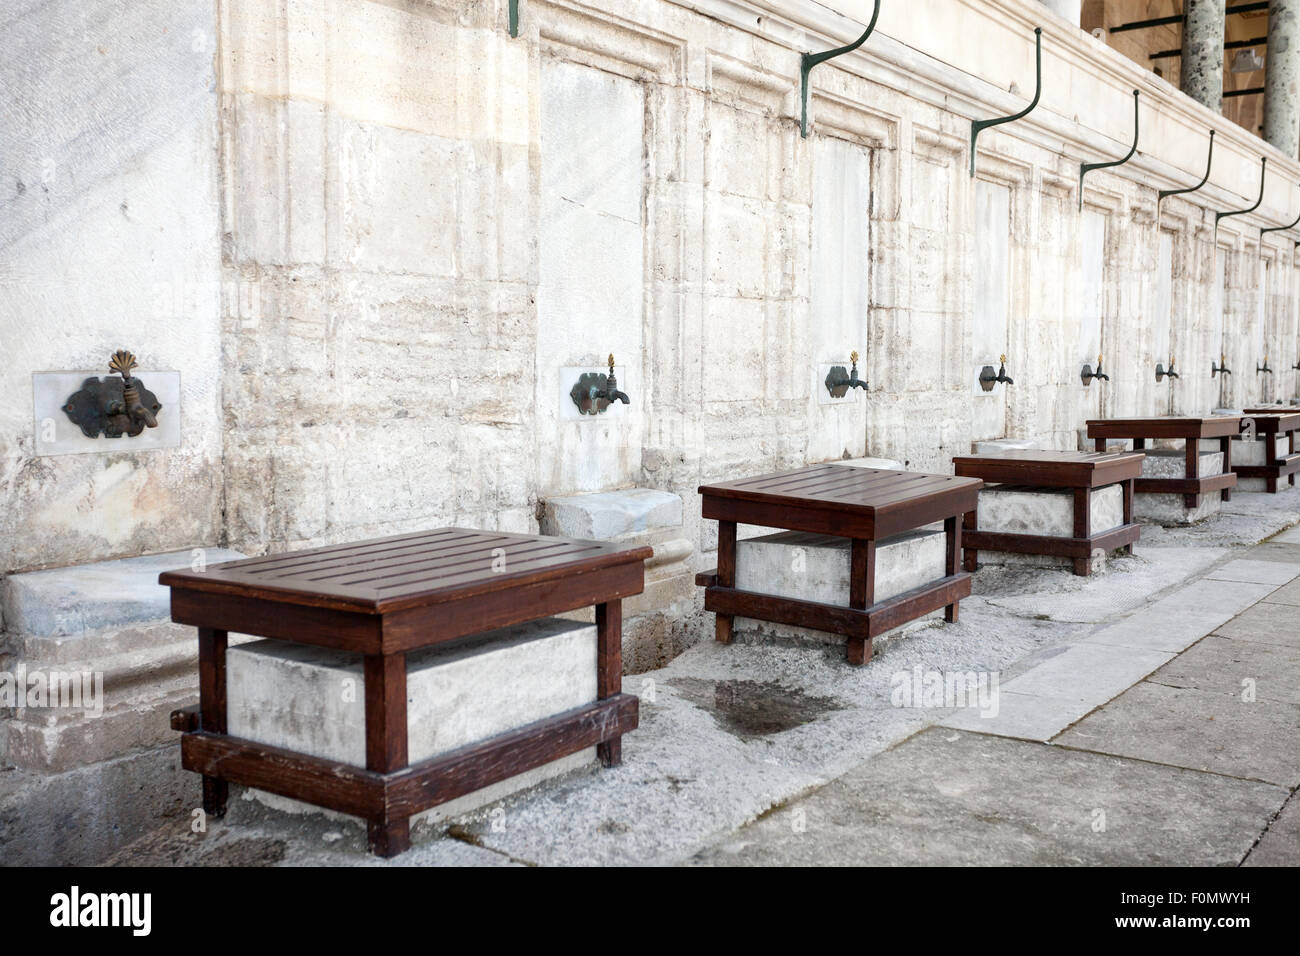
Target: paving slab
1255	571
1237	669
1271	551
1128	584
945	797
1024	716
1088	673
1289	536
1264	622
1198	730
1280	844
1179	620
1287	594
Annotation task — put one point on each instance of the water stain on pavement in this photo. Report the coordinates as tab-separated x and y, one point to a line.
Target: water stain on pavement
749	709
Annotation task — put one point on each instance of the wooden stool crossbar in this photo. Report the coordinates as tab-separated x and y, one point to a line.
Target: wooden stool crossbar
1079	472
864	505
1269	424
1190	430
381	599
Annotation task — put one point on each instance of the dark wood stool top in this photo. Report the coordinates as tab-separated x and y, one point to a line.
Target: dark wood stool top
841	500
1051	469
1272	421
405	591
1164	426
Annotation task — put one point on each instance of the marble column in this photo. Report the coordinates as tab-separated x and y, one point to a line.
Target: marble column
1202	63
1282	77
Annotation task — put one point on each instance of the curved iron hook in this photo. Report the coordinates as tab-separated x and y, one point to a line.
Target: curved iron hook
978	126
1209	159
1086	168
1241	212
1295	222
809	60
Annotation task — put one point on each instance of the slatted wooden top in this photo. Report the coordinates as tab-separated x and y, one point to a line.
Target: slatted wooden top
407	570
841	499
1275	420
1051	469
1164	426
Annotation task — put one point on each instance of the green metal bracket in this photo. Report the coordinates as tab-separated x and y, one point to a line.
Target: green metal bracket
809	60
1209	158
1086	168
1291	225
514	18
977	126
1241	212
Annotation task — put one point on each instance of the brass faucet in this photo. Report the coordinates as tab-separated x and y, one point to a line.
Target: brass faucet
610	391
1087	375
838	382
1221	368
987	378
123	361
1162	374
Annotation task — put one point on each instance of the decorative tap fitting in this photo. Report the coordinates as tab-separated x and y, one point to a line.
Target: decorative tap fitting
595	391
1263	368
1221	368
838	381
1087	375
114	406
988	379
1161	374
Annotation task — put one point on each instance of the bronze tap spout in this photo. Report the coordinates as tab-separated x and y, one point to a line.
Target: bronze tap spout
132	407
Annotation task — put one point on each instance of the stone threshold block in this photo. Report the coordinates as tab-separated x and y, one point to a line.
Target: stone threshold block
311	700
101	634
1045	512
816	567
653	628
1172	509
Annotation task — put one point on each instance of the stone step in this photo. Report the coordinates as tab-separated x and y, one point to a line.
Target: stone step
816	567
1019	509
102	631
1172	463
312	700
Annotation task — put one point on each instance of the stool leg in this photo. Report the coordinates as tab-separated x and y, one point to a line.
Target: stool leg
1226	445
212	709
970	522
726	575
389	834
952	528
1191	469
1128	509
1082	527
609	670
862	593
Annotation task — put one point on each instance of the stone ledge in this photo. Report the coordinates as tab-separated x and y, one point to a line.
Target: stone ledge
607	515
98	596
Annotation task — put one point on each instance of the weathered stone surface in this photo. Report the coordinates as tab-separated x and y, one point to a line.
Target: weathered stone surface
1197	729
953	798
607	515
1003	444
312	700
105	594
1280	843
816	567
1049	511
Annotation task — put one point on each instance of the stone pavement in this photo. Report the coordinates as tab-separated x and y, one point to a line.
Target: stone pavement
1148	715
